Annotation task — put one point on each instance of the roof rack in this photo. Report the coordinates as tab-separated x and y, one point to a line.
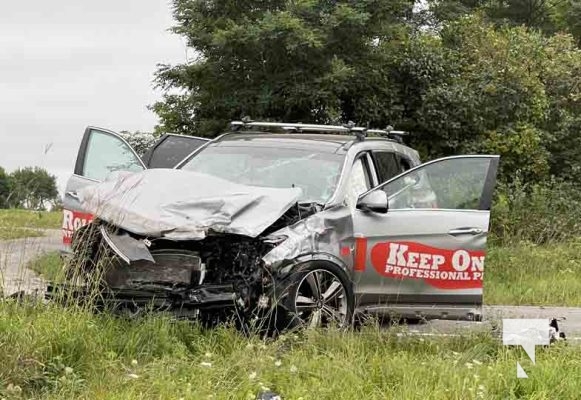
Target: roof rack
349	129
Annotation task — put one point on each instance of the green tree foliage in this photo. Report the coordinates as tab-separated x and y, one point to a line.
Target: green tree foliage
470	86
548	16
32	188
305	60
4	188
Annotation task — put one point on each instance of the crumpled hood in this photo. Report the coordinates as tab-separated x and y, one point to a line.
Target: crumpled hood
183	205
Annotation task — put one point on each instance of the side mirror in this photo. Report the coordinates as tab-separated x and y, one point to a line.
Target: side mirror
375	201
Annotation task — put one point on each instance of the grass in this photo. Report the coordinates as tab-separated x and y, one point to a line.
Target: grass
49	352
49	265
16	223
527	274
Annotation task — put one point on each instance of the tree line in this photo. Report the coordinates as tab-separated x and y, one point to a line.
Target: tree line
32	188
462	76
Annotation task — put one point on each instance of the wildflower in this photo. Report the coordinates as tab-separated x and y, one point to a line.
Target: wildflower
68	370
132	376
208	354
252	375
277	363
469	365
293	369
133	362
13	388
206	364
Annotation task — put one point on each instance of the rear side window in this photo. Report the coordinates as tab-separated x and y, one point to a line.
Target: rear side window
171	151
387	165
404	163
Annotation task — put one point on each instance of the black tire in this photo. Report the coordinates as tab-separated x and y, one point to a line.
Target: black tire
300	307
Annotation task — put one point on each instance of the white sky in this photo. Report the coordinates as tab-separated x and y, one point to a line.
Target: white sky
66	64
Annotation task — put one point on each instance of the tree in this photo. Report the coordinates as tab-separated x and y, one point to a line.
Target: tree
310	61
4	188
32	188
548	16
139	141
472	85
509	91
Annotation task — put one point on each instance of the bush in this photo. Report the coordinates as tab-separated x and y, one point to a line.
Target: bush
539	213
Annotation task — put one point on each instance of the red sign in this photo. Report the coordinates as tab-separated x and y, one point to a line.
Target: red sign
441	268
73	220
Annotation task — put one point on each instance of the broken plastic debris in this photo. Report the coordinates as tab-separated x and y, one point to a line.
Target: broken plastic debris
268	395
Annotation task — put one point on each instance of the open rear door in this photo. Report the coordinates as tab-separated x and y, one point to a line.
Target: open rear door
170	149
101	153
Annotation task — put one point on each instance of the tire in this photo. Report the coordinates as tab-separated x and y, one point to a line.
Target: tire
317	294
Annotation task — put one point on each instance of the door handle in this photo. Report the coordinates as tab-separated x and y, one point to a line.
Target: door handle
465	231
73	194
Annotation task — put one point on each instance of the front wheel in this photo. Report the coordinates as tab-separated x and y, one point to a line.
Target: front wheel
318	295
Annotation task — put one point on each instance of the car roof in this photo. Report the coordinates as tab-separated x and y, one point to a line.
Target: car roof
330	143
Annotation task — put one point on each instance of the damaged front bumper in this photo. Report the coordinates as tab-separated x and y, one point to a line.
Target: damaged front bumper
185	302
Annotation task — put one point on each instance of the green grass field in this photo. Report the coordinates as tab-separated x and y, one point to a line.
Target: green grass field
16	224
527	274
53	353
49	352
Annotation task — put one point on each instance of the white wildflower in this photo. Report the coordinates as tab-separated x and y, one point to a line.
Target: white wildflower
252	375
293	369
206	364
277	363
132	376
133	362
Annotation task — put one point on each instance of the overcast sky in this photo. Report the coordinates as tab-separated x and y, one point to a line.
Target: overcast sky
66	64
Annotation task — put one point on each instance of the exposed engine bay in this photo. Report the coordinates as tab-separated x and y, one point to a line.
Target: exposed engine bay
134	272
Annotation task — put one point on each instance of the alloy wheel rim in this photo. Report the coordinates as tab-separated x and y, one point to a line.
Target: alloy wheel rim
321	300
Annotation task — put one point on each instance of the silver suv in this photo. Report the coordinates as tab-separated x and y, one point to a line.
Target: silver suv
307	223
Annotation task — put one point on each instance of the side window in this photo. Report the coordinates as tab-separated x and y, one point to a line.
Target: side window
387	165
404	163
358	183
106	153
452	183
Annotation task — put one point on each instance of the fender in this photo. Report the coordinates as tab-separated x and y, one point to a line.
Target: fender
310	257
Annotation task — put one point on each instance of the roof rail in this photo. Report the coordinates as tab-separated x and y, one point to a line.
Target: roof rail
349	129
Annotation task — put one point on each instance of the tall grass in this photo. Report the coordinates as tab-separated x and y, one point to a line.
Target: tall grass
50	352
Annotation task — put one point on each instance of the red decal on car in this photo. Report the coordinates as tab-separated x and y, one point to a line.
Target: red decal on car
73	220
441	268
345	251
360	254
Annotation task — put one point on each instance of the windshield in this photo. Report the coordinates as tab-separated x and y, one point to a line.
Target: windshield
315	173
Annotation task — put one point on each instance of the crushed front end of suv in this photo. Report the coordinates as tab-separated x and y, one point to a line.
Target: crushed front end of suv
298	225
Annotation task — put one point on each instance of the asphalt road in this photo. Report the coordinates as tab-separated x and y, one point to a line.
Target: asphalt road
14	276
